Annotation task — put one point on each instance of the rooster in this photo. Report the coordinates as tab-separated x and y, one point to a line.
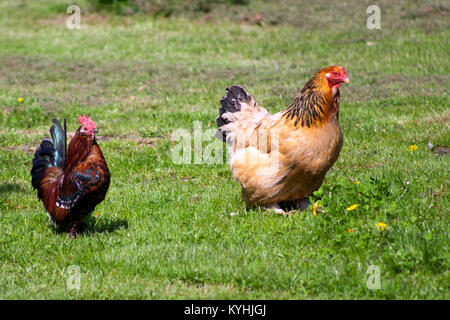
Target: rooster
70	183
284	157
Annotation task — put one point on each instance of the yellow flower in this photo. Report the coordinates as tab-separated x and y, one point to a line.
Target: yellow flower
315	206
356	182
352	207
350	230
381	226
97	214
412	147
20	100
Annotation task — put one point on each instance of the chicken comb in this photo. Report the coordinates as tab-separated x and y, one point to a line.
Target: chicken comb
86	122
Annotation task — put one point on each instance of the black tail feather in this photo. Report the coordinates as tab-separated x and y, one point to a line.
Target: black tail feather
231	102
49	154
44	158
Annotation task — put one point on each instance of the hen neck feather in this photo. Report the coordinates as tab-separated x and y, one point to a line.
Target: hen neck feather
314	105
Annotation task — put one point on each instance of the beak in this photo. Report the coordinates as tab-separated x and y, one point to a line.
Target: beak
347	80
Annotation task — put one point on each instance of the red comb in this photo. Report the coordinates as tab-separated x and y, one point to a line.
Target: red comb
86	122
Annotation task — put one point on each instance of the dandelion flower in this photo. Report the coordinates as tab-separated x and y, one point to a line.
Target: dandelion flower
356	182
352	207
97	214
20	100
412	147
381	226
315	206
350	230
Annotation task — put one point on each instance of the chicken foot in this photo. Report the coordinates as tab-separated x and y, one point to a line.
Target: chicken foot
275	207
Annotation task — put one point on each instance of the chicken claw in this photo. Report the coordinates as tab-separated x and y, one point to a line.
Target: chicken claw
276	208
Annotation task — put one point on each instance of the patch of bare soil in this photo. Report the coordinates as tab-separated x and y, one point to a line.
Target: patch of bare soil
55	84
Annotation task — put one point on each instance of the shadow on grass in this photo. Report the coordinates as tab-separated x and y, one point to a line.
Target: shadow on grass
93	226
6	188
104	225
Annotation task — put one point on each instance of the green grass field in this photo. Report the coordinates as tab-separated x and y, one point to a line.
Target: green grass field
165	230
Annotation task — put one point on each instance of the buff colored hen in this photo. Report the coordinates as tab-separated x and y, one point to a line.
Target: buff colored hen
284	156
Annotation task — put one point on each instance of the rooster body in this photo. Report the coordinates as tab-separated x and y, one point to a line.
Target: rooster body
284	156
70	184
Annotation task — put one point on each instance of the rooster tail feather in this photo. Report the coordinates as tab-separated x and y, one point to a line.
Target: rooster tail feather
51	153
235	100
59	142
43	159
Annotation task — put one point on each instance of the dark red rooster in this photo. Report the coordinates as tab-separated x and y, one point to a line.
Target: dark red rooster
70	181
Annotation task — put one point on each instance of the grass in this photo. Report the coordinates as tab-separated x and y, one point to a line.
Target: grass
165	230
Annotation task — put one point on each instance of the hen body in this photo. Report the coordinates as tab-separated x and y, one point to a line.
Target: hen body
283	156
70	184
